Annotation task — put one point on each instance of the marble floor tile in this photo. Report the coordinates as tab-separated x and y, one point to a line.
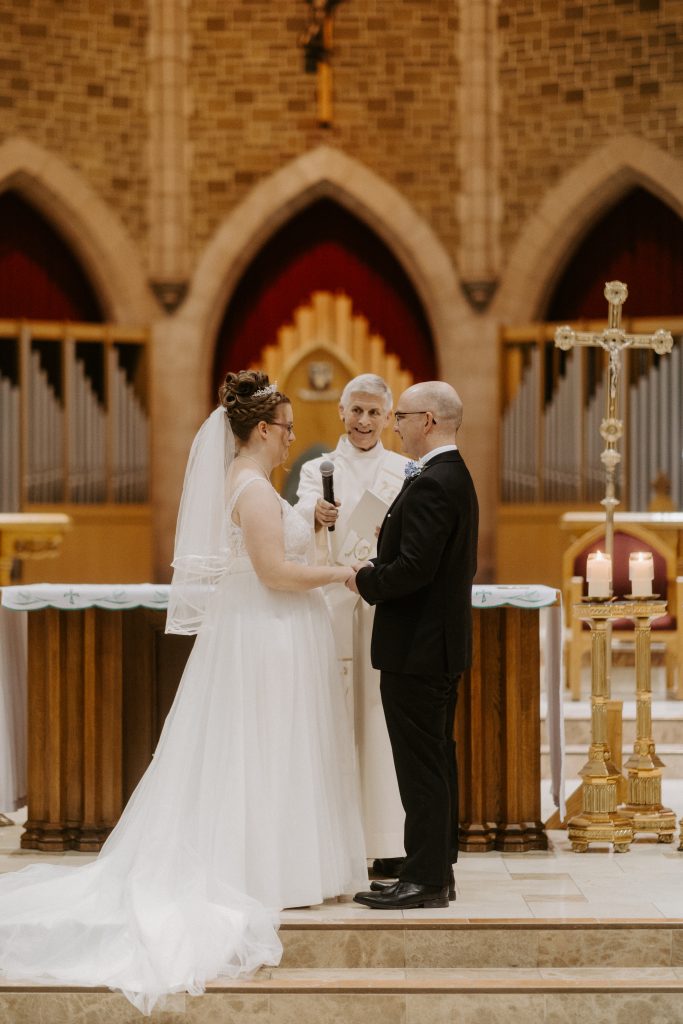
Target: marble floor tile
489	863
468	947
326	914
553	898
671	907
444	975
611	974
587	945
573	864
347	947
596	910
336	1008
331	974
476	910
607	1008
477	1008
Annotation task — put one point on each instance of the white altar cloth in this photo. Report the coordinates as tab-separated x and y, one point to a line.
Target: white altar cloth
76	596
520	595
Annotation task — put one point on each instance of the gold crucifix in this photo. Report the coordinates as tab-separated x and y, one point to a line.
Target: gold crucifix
614	340
599	792
317	44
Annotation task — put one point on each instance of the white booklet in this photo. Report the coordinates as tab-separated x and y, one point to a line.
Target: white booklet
364	523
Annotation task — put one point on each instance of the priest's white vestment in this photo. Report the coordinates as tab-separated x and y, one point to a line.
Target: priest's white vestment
382	473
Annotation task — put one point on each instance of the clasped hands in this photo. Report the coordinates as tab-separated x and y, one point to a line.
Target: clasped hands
350	583
326	514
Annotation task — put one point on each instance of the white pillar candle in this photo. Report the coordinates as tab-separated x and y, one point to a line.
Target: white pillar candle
641	572
599	574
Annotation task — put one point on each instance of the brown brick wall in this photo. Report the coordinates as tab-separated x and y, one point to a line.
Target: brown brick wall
573	74
395	81
73	79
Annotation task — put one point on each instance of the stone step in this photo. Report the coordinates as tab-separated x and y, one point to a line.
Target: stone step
380	996
384	941
576	757
577	730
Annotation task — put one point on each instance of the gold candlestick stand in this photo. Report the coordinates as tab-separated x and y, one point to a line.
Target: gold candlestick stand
644	806
599	820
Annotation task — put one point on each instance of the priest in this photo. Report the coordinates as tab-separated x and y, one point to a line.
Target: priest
366	480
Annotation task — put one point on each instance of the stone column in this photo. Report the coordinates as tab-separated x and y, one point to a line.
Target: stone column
168	188
479	205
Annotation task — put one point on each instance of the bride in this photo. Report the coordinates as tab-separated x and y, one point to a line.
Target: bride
250	802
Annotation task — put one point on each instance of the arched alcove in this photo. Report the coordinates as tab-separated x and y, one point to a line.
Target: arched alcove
40	277
324	247
323	172
571	208
93	232
640	241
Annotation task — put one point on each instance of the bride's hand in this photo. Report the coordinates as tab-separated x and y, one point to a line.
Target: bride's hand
344	574
350	582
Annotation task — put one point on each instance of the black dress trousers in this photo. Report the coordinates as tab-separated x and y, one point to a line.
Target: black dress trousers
420	712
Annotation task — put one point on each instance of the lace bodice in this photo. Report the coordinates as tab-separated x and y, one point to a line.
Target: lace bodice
297	532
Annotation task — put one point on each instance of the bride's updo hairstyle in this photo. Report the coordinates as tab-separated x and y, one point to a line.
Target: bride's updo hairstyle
248	397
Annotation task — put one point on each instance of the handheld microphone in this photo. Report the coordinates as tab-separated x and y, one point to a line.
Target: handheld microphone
327	473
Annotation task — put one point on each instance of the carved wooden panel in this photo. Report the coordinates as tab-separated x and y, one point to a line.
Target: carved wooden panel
498	735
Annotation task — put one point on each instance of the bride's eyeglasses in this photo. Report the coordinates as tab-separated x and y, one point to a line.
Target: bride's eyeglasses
289	427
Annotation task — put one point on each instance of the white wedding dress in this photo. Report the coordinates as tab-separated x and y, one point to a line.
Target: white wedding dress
249	805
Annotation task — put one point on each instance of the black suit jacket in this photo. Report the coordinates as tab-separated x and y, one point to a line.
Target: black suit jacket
421	579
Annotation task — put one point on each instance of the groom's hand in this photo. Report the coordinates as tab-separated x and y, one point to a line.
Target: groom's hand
350	583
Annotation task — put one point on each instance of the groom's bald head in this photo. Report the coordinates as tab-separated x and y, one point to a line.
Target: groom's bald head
440	399
428	416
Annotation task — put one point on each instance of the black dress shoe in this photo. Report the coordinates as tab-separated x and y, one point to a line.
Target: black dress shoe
386	867
387	886
405	896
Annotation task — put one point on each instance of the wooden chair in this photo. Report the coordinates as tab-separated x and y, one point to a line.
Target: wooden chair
667	630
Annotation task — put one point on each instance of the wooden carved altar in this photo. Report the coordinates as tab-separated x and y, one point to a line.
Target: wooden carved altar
100	683
498	735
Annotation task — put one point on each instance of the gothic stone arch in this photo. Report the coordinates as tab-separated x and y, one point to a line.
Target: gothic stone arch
324	171
107	253
570	208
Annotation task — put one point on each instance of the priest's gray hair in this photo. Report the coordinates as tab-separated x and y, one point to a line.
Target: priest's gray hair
371	384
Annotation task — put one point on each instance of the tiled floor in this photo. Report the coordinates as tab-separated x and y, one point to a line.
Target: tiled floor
644	884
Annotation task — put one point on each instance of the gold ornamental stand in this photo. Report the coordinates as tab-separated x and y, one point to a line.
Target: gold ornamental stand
28	536
599	820
644	806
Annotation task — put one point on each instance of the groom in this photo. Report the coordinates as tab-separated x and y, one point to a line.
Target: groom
421	584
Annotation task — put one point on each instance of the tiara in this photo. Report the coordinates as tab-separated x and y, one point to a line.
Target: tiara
268	390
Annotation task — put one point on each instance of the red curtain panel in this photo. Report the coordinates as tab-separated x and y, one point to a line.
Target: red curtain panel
40	278
324	248
639	241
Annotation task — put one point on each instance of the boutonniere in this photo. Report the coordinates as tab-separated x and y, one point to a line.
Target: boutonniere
412	469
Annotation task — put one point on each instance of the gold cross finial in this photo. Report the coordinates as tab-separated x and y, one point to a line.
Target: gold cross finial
613	339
